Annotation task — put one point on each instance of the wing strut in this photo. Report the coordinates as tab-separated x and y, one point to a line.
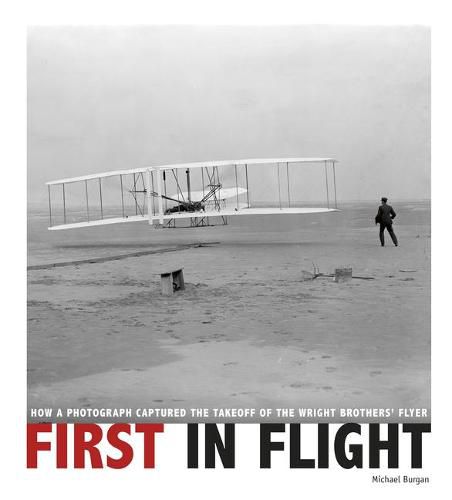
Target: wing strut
64	204
236	186
219	184
188	185
288	182
50	207
153	190
202	181
134	189
100	196
164	184
122	195
148	194
334	178
326	181
159	188
86	197
247	190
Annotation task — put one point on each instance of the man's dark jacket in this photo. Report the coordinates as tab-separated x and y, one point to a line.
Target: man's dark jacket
385	215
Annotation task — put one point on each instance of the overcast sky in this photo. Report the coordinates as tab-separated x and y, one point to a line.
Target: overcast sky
111	98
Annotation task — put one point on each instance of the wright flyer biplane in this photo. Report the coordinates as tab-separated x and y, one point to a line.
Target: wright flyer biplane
189	194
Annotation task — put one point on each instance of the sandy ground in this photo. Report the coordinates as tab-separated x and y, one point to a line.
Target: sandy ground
249	331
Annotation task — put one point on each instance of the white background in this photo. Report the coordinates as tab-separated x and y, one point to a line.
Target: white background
246	480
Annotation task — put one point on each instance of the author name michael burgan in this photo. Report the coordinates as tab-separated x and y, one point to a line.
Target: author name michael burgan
417	480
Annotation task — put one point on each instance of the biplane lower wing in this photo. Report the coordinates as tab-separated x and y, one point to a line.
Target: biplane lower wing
247	211
191	215
100	222
196	191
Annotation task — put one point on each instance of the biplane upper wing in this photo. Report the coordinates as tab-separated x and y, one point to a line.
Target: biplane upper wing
202	189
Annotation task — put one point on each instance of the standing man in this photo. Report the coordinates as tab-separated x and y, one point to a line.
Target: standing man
384	218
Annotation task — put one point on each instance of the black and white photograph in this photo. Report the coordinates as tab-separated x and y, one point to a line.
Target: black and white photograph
229	220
